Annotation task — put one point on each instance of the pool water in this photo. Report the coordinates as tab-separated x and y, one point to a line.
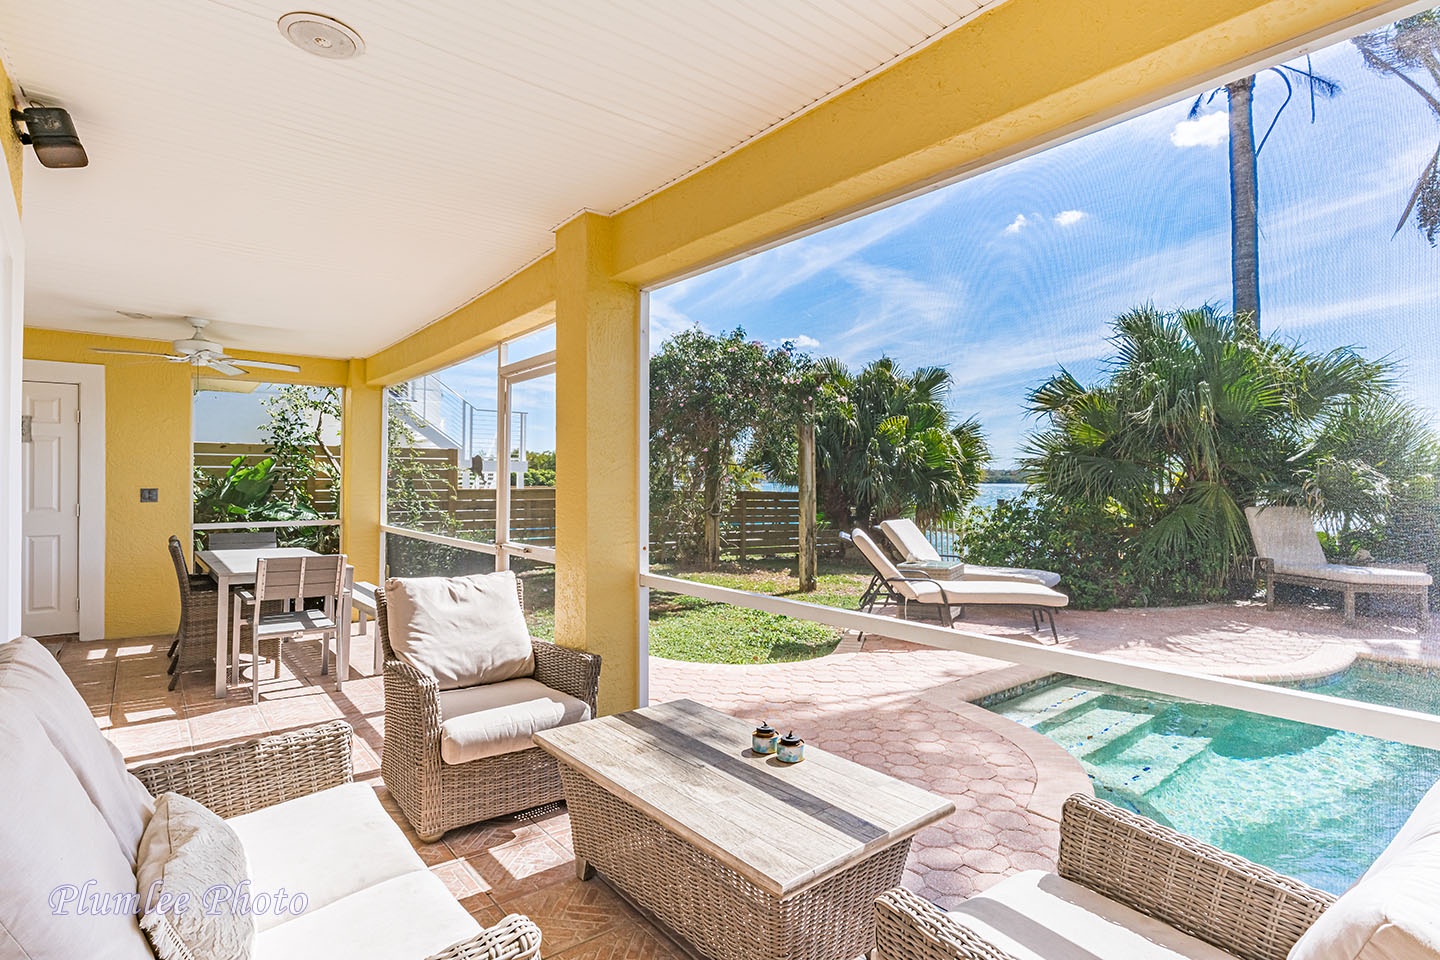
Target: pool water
1314	803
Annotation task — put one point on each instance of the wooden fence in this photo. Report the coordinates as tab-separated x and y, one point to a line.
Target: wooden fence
766	523
213	459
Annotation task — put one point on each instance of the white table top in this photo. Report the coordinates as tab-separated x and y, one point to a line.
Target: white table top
238	565
781	826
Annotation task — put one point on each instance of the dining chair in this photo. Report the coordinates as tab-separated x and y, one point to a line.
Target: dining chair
290	582
198	609
242	540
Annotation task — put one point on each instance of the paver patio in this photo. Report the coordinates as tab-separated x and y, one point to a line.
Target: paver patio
893	706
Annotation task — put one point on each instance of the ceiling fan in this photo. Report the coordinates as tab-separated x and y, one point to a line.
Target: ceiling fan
200	352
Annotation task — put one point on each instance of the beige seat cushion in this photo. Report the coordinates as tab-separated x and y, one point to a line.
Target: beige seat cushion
54	847
460	630
33	680
1393	911
498	718
960	592
411	915
1046	578
188	852
327	845
1377	576
910	540
1040	916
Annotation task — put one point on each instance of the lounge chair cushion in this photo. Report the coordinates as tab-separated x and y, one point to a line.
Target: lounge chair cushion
328	845
1285	535
1046	578
1377	576
189	852
32	678
1040	916
55	848
910	540
1390	913
462	631
412	915
497	718
960	592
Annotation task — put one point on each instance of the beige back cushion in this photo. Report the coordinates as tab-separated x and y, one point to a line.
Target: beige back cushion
910	540
882	563
30	676
56	849
1393	911
1285	535
462	631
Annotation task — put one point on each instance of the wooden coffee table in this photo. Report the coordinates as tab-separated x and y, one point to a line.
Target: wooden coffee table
740	856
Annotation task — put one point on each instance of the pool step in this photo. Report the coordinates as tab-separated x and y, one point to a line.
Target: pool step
1048	704
1094	729
1145	763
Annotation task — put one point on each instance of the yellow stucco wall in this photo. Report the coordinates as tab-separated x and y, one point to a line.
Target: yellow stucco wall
9	140
148	444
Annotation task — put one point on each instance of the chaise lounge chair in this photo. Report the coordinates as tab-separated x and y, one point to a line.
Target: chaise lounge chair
912	544
1288	551
891	585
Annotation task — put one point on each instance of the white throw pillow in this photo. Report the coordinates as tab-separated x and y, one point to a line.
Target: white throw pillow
1391	913
30	674
462	631
192	878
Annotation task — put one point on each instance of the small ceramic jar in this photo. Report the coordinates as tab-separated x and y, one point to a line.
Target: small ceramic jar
762	741
790	749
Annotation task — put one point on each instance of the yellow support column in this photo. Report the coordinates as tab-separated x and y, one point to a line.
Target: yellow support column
597	504
362	456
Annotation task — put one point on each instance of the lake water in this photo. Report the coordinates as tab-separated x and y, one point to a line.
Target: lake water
992	492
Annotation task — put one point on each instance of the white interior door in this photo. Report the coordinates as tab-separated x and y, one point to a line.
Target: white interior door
50	500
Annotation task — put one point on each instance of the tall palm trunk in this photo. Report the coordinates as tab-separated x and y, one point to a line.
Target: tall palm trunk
1244	202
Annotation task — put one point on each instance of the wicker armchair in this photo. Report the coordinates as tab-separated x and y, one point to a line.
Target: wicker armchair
244	777
1244	909
438	796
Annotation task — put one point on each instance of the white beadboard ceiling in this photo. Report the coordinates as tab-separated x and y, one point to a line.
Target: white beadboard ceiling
331	208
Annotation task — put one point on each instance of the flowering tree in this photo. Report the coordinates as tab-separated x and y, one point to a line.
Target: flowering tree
714	402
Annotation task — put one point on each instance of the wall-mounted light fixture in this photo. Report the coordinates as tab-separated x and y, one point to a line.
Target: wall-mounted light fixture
52	133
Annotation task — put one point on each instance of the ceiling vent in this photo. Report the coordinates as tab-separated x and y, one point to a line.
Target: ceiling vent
321	35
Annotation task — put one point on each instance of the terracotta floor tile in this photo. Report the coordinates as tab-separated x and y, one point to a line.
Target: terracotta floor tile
572	912
630	941
521	866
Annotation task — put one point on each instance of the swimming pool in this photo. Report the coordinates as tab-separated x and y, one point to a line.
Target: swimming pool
1314	803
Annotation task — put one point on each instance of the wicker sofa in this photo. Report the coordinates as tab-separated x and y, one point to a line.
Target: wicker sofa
1128	887
71	818
437	795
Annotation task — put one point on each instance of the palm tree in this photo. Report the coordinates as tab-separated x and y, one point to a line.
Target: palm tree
886	446
1412	44
1244	174
1201	417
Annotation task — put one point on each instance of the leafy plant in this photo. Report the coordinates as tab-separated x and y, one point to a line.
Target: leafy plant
887	446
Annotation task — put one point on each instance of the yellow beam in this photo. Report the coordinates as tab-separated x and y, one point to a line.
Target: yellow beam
10	144
597	496
1016	77
512	308
362	452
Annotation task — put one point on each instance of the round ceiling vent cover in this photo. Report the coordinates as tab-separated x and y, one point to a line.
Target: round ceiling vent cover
321	35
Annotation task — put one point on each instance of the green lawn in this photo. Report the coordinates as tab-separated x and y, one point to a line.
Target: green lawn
685	628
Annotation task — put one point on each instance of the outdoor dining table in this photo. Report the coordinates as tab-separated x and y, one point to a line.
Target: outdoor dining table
234	568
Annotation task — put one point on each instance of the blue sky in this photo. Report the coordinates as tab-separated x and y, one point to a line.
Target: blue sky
1005	276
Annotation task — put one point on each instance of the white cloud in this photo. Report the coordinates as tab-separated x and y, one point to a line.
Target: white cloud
1209	130
666	321
1018	224
800	342
1066	218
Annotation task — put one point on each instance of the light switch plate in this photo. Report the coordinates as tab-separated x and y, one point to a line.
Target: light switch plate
149	494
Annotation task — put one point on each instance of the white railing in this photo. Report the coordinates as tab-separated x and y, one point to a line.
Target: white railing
1387	723
267	524
524	550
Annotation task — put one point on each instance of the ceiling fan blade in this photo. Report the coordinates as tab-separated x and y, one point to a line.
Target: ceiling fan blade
265	364
136	353
229	369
